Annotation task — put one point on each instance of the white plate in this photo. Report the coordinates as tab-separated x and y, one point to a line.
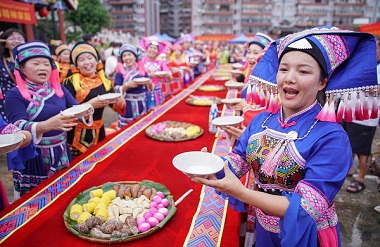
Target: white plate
232	84
237	65
8	142
111	97
141	80
161	73
231	101
183	67
227	121
236	71
198	164
77	110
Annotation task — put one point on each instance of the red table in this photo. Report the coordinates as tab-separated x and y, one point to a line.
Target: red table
129	155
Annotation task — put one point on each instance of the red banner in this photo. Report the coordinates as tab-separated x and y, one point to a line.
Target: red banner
373	28
12	11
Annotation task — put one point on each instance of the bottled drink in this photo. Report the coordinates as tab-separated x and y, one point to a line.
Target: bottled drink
212	115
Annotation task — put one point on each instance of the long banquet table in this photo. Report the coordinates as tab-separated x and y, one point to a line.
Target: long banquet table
202	219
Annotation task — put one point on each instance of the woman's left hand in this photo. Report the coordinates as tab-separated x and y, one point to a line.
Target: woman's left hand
97	102
230	184
27	138
150	85
233	131
121	103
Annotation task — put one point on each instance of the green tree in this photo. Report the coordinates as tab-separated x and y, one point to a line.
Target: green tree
91	16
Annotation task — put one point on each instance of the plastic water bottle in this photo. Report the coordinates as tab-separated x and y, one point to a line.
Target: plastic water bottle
212	115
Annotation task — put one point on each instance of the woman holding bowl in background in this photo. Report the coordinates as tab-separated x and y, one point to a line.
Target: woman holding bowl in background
35	105
8	40
86	84
298	151
127	83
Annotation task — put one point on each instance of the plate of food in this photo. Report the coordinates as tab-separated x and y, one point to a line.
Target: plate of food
221	78
198	164
202	100
233	84
78	110
161	73
173	131
111	97
118	212
211	88
10	142
141	80
236	71
231	101
237	65
228	121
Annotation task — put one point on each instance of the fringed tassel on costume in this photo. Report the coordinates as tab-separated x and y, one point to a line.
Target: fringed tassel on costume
248	97
270	103
365	109
375	107
348	110
255	95
272	159
330	116
322	114
55	83
262	97
339	114
358	115
268	97
276	105
21	84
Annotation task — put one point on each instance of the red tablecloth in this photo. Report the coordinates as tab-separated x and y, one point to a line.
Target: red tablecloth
138	159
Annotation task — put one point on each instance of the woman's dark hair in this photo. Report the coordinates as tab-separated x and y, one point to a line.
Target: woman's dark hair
3	50
321	95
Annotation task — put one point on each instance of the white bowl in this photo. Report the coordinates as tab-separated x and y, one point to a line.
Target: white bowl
231	101
198	164
111	97
236	71
232	84
228	121
78	110
9	142
237	65
161	73
141	80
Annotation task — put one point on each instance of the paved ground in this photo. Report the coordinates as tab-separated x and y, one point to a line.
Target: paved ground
359	223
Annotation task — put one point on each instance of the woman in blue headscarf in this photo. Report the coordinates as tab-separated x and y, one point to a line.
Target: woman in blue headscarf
297	149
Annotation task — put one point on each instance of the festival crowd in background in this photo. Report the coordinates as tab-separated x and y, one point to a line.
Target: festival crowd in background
50	79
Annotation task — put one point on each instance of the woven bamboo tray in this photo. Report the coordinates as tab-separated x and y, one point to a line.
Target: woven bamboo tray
84	196
192	100
160	137
211	88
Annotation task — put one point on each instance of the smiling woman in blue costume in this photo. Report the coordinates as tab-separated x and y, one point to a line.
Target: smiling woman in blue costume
298	151
35	105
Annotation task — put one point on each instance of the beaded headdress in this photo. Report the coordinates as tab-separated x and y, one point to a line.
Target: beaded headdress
260	39
146	42
350	60
34	49
131	49
61	48
185	38
84	47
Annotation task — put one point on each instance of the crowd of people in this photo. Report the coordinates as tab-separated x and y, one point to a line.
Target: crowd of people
38	81
304	102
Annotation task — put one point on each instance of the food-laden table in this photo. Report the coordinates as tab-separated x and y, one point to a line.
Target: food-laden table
203	218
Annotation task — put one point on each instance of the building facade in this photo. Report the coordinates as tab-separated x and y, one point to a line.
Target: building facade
147	17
